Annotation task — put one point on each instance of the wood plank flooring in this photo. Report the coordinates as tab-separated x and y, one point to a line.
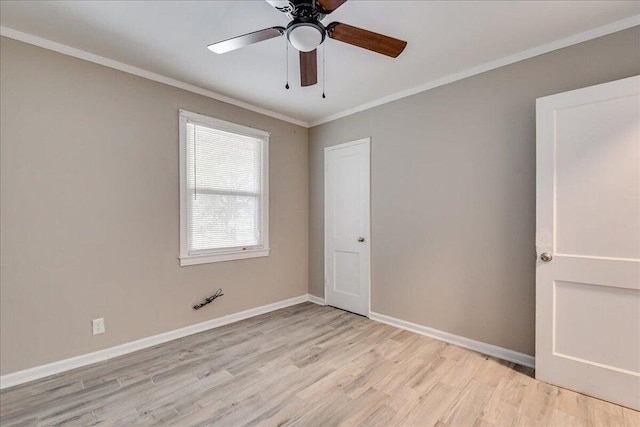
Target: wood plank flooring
305	365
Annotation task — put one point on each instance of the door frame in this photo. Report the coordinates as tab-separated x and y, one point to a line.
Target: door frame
367	143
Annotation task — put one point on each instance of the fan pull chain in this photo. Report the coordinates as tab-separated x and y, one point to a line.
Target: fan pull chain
323	69
286	86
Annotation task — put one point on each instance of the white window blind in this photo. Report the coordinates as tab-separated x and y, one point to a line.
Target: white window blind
224	197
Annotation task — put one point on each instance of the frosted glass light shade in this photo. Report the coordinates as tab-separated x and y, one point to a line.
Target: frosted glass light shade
305	38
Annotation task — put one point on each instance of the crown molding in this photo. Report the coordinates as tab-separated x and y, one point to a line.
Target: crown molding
101	60
488	66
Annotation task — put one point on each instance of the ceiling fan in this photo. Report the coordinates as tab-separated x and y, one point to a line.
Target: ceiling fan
305	32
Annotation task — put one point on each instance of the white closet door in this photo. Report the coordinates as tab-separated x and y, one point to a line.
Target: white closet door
347	236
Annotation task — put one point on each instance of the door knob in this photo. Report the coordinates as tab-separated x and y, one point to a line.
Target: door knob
546	257
360	239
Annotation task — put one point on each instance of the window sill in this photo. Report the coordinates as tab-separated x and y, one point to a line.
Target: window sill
225	256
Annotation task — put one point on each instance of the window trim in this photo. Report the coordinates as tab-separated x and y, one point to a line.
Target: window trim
226	254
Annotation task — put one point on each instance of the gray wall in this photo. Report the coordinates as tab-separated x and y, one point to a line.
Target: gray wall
453	192
89	223
89	210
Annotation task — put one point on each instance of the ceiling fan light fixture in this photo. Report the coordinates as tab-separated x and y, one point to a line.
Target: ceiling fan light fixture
305	37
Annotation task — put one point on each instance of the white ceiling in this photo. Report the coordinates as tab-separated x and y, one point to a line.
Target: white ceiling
444	37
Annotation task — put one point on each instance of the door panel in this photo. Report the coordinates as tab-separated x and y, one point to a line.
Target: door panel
347	246
596	174
347	273
588	221
586	314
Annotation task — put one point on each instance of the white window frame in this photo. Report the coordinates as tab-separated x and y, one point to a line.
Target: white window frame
227	254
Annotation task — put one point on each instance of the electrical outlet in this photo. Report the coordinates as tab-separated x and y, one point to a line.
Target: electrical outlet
98	326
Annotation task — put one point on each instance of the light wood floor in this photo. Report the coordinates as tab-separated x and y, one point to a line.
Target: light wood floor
306	366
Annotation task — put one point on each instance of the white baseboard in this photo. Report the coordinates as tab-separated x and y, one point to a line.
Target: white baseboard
480	347
31	374
20	377
316	300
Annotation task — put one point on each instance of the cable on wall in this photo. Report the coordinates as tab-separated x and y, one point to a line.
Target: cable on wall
208	300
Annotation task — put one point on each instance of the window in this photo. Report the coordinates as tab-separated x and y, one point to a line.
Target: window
224	210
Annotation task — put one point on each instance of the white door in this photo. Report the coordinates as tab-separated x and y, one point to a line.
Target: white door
347	243
588	241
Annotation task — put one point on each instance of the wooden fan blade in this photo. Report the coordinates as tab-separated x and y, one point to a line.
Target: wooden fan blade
246	39
328	6
308	68
366	39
